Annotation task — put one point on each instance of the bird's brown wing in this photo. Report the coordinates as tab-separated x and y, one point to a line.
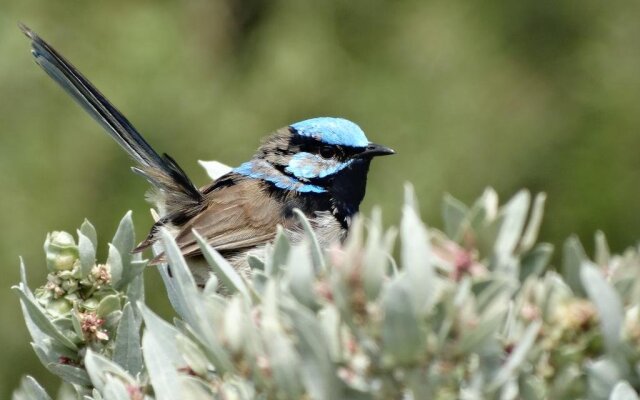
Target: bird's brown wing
236	217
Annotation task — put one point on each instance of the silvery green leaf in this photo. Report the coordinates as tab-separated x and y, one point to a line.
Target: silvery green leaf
170	284
454	214
211	286
135	291
162	372
403	336
30	389
87	253
623	391
255	262
301	276
484	210
40	320
164	333
45	353
474	339
215	169
534	262
606	300
602	376
69	373
602	253
317	370
329	318
127	352
114	260
225	272
99	368
192	355
114	389
36	333
513	216
517	356
108	304
130	272
573	255
259	280
124	239
410	200
194	388
284	363
75	321
530	234
278	258
417	259
184	284
95	394
89	231
317	255
235	326
375	262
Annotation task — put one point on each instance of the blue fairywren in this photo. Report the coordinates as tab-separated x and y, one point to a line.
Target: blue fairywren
318	166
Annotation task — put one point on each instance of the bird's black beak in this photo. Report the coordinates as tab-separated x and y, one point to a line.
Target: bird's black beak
374	150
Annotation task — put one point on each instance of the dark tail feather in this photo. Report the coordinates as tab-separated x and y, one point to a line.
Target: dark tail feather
161	171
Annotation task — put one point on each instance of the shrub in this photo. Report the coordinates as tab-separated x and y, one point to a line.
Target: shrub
472	312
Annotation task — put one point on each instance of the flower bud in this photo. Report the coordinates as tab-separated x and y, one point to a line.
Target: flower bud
61	251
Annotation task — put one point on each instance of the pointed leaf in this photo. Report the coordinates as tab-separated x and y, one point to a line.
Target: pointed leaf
573	255
317	370
114	389
513	215
224	271
162	372
623	391
99	368
30	389
127	352
301	276
403	338
533	227
535	261
71	374
124	239
454	214
517	356
316	251
40	320
607	301
602	253
163	332
89	231
278	257
87	253
417	260
184	284
114	260
108	304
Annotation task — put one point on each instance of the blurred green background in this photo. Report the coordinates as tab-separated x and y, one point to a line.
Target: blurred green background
535	93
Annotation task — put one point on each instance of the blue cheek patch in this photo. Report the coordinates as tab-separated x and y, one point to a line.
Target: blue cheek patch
337	131
260	169
310	166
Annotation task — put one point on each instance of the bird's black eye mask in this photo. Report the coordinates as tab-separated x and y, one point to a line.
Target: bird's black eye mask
299	144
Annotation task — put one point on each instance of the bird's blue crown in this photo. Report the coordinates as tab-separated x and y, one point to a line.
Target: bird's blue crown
335	131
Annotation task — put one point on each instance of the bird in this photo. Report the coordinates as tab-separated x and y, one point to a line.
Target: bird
318	166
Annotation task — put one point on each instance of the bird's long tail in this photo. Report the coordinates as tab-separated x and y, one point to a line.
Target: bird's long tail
162	171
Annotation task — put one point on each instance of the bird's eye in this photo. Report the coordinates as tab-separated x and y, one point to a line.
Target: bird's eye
327	152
